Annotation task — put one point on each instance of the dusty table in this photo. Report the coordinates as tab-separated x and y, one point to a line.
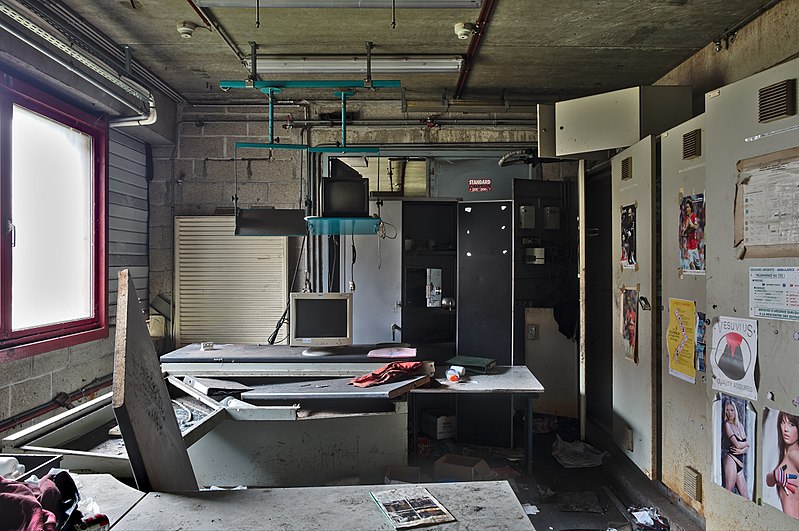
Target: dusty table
516	379
479	506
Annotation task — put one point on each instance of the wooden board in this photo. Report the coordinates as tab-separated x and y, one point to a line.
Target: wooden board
331	388
142	404
478	505
514	379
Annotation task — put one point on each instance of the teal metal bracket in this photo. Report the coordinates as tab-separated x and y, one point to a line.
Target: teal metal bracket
319	226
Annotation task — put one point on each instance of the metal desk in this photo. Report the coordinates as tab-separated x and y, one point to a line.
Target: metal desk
516	379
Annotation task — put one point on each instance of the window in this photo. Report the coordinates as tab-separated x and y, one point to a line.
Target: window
52	205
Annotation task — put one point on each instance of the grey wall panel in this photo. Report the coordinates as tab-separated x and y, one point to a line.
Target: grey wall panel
127	215
450	178
734	134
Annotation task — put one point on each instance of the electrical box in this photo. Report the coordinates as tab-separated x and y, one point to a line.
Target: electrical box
526	217
618	119
433	288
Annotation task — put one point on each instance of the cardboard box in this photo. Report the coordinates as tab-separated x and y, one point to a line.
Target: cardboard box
438	424
403	474
452	467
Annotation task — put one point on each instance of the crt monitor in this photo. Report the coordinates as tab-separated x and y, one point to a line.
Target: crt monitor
345	197
320	320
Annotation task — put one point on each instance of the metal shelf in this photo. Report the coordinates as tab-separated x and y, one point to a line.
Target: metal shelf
319	226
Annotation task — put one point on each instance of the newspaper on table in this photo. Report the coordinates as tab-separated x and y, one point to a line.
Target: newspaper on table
411	507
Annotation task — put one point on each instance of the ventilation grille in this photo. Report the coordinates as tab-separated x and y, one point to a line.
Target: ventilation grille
627	168
692	144
776	101
628	438
692	483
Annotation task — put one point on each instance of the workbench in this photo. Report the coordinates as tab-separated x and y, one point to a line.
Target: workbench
479	506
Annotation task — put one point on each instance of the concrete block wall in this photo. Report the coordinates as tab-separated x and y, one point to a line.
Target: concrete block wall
33	381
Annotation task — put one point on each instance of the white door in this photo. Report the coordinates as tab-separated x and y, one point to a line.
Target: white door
634	300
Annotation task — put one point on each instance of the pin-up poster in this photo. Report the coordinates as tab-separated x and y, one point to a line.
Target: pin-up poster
692	234
781	461
629	322
680	339
734	421
628	237
734	356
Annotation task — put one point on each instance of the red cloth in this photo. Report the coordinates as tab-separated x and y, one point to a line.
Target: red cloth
21	505
395	370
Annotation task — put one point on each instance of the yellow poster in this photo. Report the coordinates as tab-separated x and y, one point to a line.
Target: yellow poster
680	339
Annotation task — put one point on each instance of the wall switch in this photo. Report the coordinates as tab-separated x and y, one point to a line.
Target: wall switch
532	332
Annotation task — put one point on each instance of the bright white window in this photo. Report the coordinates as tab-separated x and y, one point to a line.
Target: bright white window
51	209
53	205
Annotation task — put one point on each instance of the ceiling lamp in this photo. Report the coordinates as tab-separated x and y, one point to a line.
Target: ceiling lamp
400	4
343	64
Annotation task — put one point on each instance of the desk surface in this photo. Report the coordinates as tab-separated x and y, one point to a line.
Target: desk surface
234	353
508	379
480	505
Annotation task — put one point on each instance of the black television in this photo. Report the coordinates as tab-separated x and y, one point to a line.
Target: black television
345	197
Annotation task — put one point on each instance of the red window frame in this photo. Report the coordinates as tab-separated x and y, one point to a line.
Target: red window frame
25	343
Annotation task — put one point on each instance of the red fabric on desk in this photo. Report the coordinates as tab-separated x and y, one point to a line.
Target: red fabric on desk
389	373
24	506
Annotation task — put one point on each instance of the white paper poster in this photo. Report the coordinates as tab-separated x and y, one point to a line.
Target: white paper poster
734	356
774	293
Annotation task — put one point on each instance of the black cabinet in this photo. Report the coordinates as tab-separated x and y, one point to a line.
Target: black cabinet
429	271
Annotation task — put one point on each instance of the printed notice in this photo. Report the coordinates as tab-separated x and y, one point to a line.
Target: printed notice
774	293
770	199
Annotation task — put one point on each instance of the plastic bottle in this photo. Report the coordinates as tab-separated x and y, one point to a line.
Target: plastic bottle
455	373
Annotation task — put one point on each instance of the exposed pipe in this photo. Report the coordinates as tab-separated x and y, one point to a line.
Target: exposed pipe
69	67
148	117
60	400
482	27
214	25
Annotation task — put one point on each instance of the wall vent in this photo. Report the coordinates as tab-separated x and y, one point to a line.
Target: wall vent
692	144
692	483
628	438
626	168
776	101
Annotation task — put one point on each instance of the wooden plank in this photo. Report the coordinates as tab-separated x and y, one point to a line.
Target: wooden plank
476	505
514	379
331	388
142	404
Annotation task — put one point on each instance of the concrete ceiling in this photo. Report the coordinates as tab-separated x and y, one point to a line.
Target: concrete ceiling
531	50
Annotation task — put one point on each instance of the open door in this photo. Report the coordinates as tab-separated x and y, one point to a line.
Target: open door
634	304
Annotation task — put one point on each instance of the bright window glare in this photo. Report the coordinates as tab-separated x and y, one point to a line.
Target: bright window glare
51	208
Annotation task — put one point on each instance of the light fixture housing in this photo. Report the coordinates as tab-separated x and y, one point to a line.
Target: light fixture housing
400	4
344	64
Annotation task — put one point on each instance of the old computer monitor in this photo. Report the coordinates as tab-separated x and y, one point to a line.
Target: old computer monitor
345	197
320	321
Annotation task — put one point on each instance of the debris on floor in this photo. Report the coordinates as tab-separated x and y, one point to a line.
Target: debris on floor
579	502
576	454
544	492
648	519
530	509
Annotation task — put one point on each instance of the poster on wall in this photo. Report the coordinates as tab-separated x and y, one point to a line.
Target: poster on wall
629	322
680	339
734	355
700	341
628	238
781	461
734	421
692	234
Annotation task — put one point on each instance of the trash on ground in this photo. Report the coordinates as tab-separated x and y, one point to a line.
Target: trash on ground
649	519
576	454
530	509
579	502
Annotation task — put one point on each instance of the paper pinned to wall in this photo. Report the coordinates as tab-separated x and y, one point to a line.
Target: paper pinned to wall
680	339
766	217
774	293
734	356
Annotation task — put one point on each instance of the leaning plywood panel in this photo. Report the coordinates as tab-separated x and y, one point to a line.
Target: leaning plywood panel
745	121
142	404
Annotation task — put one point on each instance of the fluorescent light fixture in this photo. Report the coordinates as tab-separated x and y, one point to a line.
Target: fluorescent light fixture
400	4
342	64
